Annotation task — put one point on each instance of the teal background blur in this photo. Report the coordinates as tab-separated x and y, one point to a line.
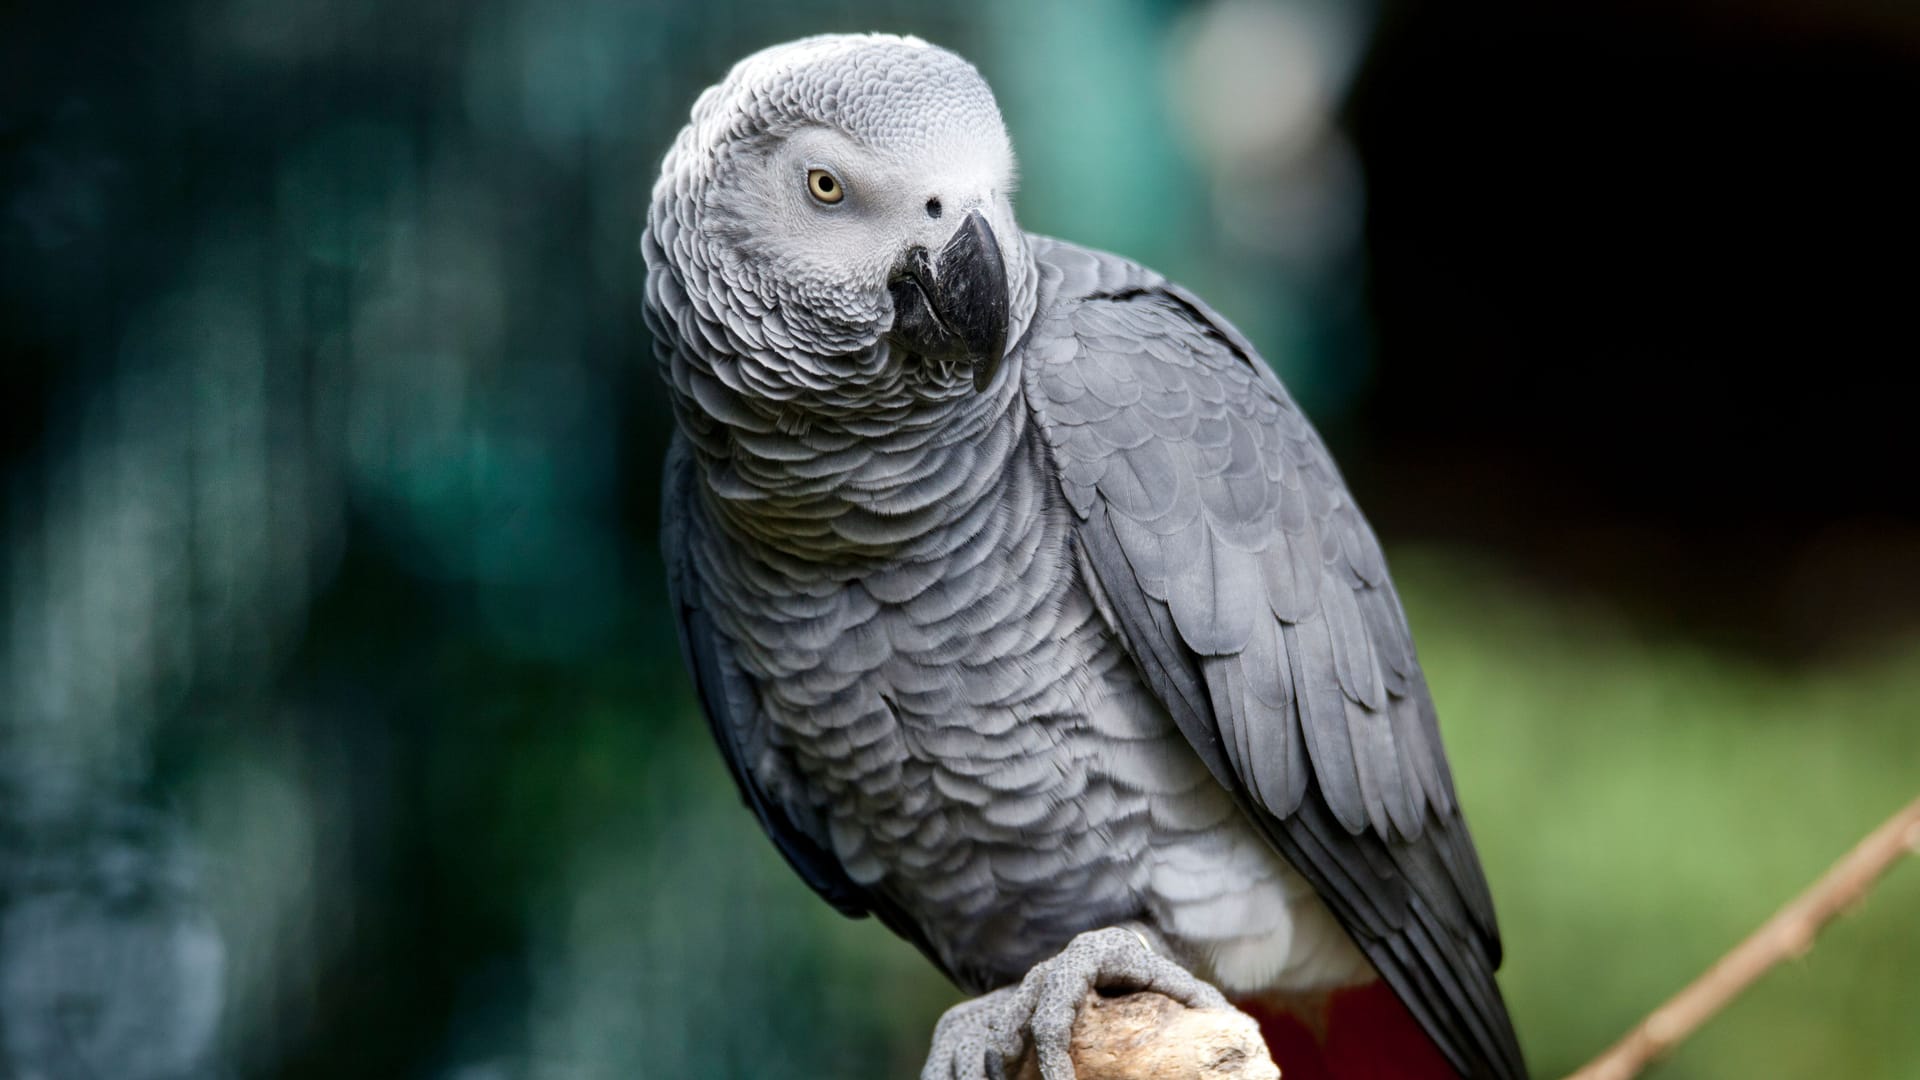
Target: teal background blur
342	725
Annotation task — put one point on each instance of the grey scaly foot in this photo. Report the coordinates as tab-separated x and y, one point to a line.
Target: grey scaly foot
983	1038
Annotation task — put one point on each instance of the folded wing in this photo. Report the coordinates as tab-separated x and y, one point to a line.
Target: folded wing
1254	598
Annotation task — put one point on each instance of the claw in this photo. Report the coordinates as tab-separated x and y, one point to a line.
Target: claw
997	1028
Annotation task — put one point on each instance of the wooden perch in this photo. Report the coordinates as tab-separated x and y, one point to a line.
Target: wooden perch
1788	934
1153	1037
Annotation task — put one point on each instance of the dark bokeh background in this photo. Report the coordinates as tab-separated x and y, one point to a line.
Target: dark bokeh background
342	730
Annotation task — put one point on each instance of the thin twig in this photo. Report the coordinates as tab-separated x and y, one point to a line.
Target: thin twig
1789	933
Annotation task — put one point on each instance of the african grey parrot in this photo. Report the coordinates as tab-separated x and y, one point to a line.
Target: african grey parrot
1029	612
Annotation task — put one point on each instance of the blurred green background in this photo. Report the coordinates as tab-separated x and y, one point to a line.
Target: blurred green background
342	726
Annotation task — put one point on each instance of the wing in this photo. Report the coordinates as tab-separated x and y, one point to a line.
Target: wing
1254	598
728	697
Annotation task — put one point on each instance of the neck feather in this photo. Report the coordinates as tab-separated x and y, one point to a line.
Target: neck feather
862	486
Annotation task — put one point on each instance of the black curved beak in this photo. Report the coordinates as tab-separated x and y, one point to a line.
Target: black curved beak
953	304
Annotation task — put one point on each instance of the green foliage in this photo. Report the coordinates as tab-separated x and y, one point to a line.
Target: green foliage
1642	803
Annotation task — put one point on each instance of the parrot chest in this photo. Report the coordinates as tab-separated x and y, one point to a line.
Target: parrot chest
981	748
978	745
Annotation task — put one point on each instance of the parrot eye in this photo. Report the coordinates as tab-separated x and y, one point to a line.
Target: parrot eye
822	186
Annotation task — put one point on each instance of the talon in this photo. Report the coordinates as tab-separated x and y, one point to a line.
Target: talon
1041	1010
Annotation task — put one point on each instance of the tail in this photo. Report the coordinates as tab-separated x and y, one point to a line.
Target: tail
1363	1033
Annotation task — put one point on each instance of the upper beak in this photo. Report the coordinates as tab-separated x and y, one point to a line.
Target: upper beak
953	304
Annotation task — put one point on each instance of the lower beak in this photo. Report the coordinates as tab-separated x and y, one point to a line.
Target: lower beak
953	304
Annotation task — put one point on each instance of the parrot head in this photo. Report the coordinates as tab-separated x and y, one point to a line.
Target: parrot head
837	218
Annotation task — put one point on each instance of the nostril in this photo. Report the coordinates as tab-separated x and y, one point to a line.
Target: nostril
933	207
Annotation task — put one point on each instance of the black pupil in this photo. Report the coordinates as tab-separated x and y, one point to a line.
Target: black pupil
933	208
825	184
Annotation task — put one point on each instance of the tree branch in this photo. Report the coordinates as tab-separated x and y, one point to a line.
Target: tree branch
1149	1036
1789	933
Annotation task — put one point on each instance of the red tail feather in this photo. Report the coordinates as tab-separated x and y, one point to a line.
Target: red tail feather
1358	1034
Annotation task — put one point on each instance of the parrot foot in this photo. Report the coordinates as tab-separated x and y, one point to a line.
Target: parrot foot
983	1039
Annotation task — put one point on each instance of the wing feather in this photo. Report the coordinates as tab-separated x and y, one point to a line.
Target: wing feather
1223	546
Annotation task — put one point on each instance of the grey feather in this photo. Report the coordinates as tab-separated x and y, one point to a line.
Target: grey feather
728	703
1101	639
1368	810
